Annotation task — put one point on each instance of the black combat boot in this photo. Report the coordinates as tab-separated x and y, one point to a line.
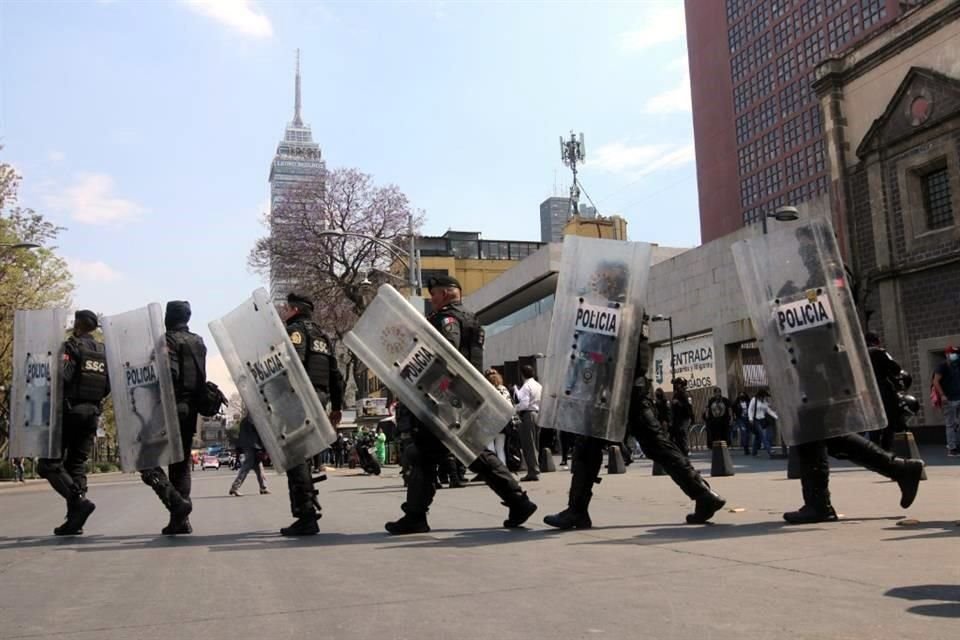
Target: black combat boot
587	458
906	472
707	504
908	478
78	510
409	523
520	512
177	505
816	501
304	525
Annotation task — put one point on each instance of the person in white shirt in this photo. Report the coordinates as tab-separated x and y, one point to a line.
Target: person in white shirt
528	408
757	414
498	445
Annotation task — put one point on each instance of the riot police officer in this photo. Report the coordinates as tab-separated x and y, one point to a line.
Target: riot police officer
813	455
86	384
188	367
317	354
643	424
425	451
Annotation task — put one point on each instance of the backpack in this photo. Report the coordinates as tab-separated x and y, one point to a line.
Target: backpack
209	399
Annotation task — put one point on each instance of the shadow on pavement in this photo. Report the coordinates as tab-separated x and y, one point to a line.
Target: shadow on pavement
935	528
947	594
657	534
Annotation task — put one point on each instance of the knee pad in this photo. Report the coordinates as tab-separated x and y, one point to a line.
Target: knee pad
152	477
49	467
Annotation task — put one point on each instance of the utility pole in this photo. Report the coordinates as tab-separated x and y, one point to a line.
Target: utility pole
573	151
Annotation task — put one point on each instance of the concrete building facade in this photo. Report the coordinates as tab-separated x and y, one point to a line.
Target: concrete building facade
757	123
892	125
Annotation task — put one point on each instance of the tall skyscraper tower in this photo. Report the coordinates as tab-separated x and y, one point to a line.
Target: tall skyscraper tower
554	213
298	160
756	121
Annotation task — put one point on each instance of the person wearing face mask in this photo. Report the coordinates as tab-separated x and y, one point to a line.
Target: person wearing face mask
946	386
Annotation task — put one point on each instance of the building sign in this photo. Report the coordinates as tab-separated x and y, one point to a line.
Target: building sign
693	361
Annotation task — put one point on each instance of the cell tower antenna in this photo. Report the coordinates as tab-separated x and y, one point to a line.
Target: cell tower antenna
573	151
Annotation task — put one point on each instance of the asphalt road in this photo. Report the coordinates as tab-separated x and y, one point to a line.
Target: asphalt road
640	573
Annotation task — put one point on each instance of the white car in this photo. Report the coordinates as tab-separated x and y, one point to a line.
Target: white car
209	462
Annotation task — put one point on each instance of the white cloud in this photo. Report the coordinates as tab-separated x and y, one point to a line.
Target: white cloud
238	15
676	100
56	156
639	160
660	26
93	271
90	200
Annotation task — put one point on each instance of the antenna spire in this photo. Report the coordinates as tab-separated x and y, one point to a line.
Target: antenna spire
297	120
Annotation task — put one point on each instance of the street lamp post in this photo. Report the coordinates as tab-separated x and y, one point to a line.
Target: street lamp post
407	259
782	214
669	320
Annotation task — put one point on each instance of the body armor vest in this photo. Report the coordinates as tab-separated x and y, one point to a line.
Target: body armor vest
320	358
89	381
192	354
471	333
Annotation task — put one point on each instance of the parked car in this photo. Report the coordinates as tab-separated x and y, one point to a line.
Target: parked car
210	462
225	458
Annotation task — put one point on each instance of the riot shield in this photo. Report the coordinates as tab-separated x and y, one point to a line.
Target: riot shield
428	375
37	386
810	338
594	335
148	431
284	406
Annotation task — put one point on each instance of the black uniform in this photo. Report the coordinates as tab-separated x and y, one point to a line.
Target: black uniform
681	417
86	384
317	354
889	376
188	358
813	456
644	425
425	451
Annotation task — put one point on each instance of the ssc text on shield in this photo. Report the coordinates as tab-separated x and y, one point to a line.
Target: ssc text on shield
803	315
594	319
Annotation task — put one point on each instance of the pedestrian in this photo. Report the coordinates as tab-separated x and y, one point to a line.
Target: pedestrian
891	380
498	445
425	451
188	358
380	446
249	446
339	447
86	383
946	390
316	352
718	415
661	408
759	413
643	424
18	470
681	415
528	408
741	408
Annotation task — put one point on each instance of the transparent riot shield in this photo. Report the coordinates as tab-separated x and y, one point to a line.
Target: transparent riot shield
148	431
284	406
37	386
803	313
594	334
428	375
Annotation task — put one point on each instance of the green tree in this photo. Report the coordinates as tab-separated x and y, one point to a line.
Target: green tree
29	279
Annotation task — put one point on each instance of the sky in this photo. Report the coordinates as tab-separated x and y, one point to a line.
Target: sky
147	129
